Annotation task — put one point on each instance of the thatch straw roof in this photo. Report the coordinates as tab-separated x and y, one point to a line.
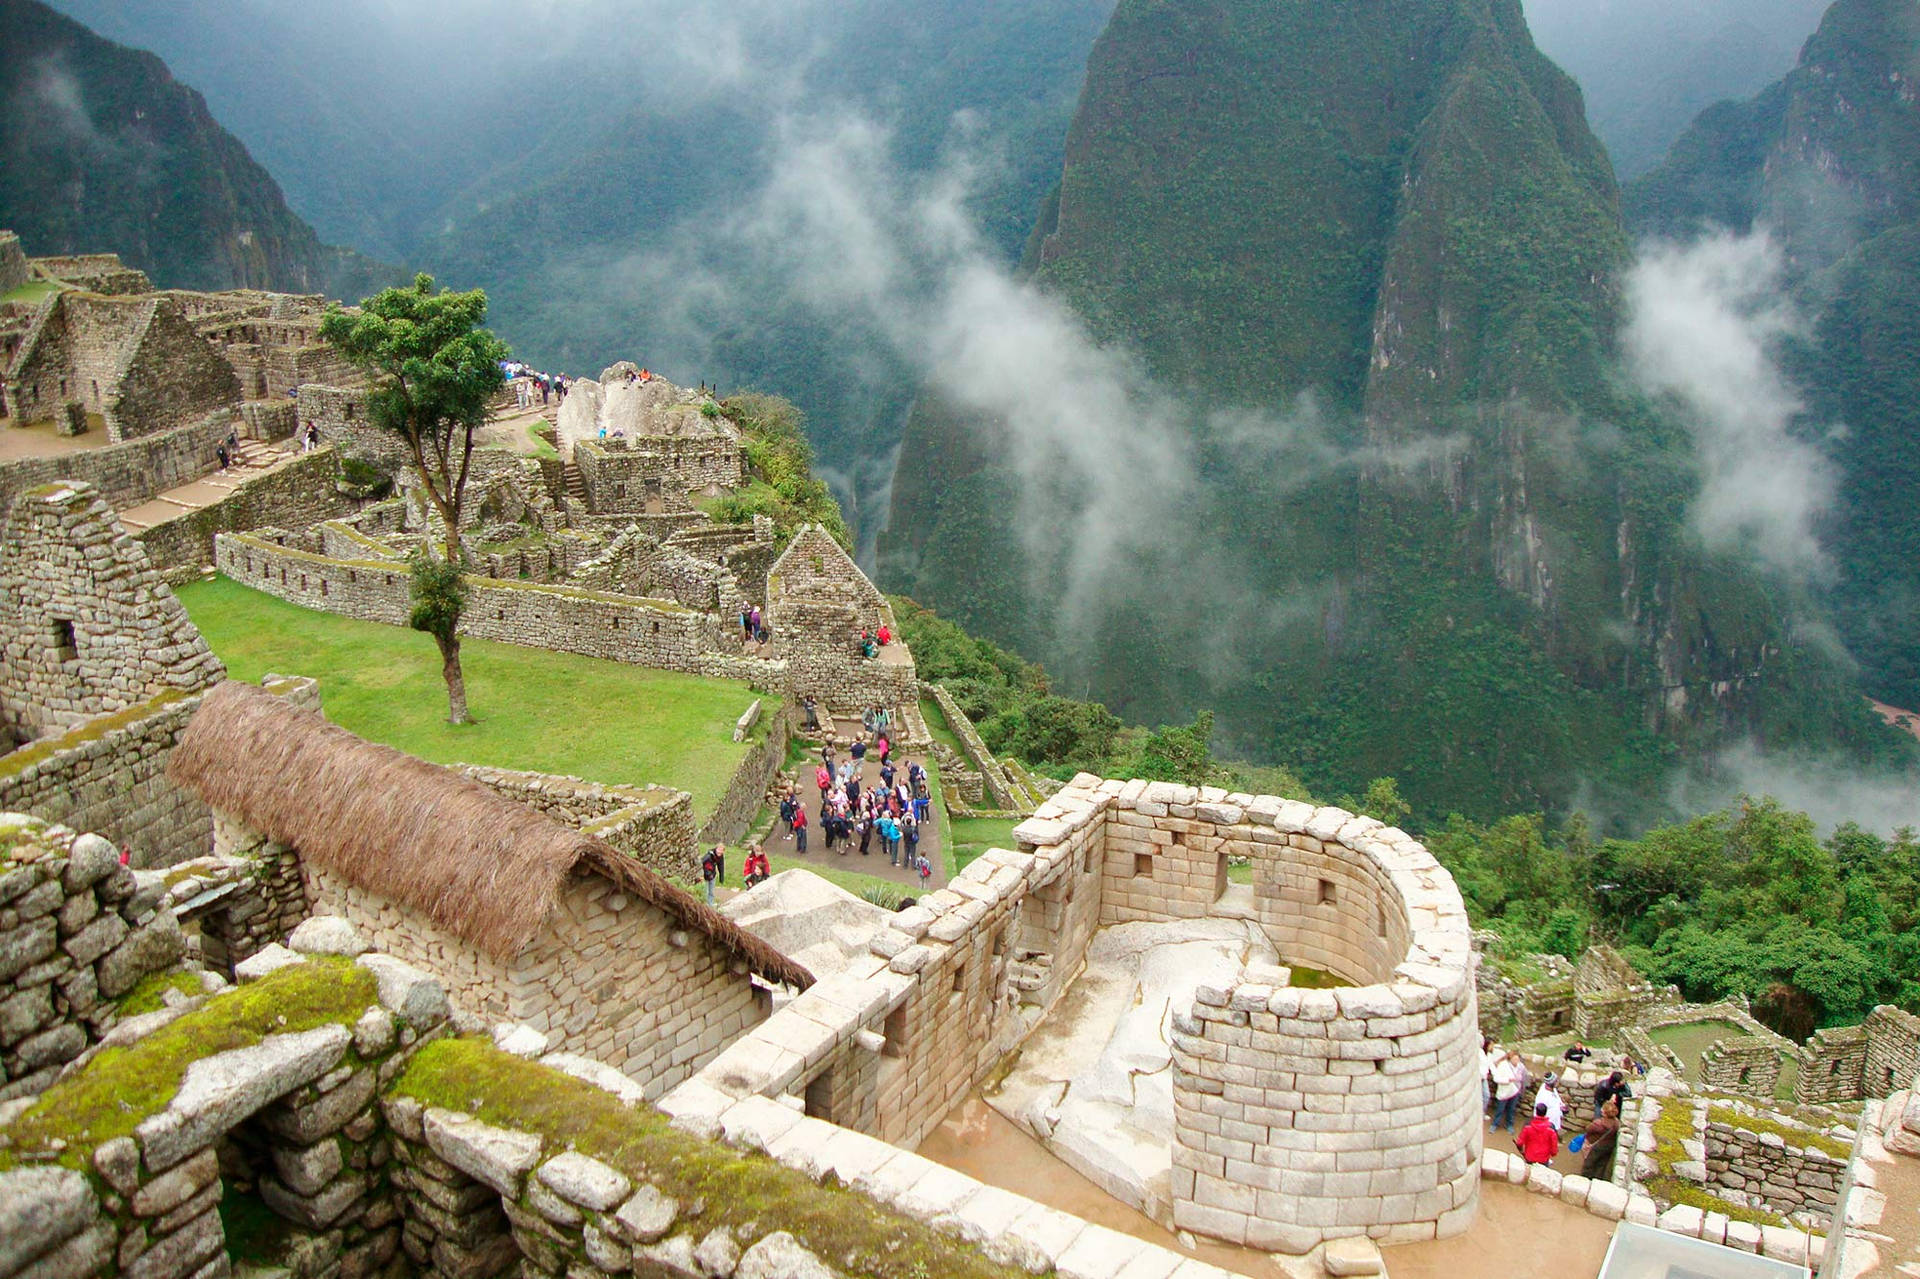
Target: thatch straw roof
477	864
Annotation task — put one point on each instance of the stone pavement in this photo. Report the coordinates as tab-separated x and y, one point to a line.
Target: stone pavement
256	458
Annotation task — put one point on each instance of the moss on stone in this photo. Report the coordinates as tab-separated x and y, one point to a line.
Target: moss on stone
849	1231
121	1087
17	762
150	995
1675	1190
1801	1138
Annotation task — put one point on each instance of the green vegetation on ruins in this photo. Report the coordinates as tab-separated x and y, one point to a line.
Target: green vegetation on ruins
549	712
715	1184
782	485
123	1086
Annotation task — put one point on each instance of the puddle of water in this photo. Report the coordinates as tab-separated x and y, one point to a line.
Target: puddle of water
1517	1235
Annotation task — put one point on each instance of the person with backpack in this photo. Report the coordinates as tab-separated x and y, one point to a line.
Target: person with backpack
788	803
757	869
926	871
910	832
889	836
823	778
800	829
710	872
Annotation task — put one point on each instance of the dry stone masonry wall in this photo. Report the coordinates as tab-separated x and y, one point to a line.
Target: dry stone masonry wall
78	931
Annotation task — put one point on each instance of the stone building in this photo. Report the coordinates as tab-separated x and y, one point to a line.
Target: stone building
524	919
87	627
1299	1115
134	362
647	448
272	340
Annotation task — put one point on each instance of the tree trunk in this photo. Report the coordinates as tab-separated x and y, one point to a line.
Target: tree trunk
456	680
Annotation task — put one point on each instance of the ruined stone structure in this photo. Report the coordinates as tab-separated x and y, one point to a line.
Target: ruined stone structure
525	919
647	447
1300	1114
1608	993
134	362
77	932
102	273
14	271
1876	1058
271	340
86	626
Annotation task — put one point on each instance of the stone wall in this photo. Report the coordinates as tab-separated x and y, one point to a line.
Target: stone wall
569	620
128	474
747	790
170	377
993	777
609	977
108	774
1893	1051
77	932
289	1116
651	824
1833	1066
1610	994
820	643
1764	1169
301	492
1748	1064
86	625
341	414
656	474
1299	1114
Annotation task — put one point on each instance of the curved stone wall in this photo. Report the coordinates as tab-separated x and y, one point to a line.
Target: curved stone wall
1310	1114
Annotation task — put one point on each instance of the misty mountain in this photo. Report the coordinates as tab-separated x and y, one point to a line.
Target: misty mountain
1422	525
104	150
1827	162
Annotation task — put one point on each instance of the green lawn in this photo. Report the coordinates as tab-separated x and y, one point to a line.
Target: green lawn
31	291
549	712
938	726
969	837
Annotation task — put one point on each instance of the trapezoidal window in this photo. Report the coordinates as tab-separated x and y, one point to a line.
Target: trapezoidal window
1143	865
1326	892
66	647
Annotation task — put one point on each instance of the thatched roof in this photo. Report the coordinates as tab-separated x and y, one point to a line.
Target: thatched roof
479	865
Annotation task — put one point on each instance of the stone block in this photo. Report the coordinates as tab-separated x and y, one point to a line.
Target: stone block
327	935
498	1157
308	1121
268	959
1743	1235
646	1216
585	1181
1354	1255
41	1209
317	1211
1606	1200
221	1090
717	1254
1682	1219
307	1169
181	1253
781	1256
155	945
92	859
410	994
1097	1253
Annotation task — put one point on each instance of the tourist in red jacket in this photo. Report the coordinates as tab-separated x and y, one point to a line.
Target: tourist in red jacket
1538	1142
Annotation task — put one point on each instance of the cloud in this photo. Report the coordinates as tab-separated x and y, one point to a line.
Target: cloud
1828	788
1707	321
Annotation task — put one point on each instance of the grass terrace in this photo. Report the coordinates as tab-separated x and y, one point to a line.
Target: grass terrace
539	710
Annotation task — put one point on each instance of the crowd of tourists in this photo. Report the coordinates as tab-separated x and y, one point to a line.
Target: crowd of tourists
851	813
529	382
1504	1079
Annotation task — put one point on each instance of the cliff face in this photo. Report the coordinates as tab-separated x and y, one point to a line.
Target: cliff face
1827	161
105	152
1394	207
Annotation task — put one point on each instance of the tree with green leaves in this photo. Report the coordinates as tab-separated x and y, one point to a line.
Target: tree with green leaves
434	371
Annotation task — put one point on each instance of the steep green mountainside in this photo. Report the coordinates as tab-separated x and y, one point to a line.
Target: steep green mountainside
1462	559
105	152
1828	161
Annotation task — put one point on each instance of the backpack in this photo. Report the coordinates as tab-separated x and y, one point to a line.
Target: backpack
708	871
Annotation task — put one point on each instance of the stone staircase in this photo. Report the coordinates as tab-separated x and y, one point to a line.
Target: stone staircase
574	484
